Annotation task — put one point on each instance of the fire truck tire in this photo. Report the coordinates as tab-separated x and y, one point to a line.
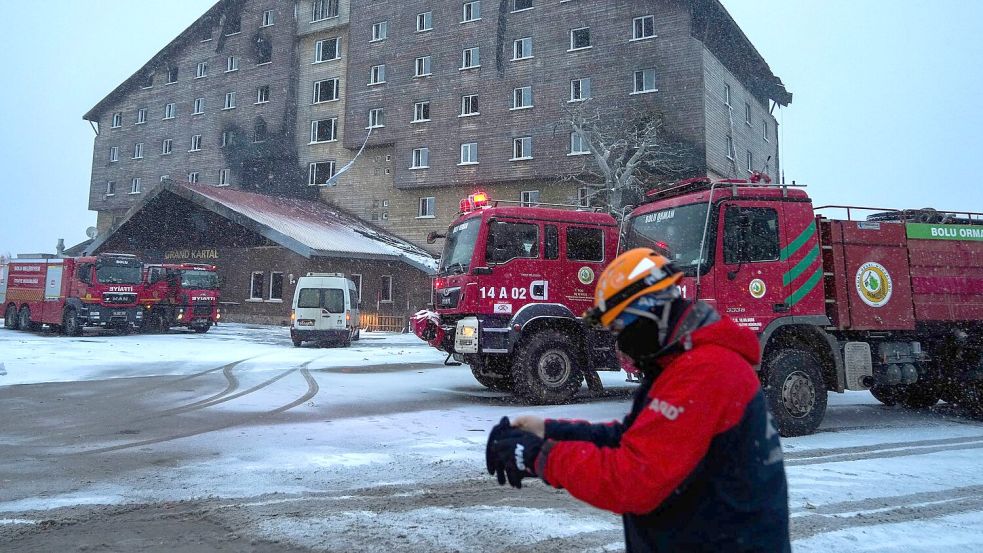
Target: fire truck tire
10	318
920	396
796	391
547	369
24	319
70	324
201	329
888	395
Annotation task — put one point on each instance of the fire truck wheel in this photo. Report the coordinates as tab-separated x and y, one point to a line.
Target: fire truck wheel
70	324
888	395
10	318
201	329
24	319
796	391
920	396
547	369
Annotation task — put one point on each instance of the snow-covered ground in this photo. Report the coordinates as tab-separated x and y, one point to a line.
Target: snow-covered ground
380	446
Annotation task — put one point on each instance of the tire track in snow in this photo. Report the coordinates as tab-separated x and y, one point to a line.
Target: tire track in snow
881	451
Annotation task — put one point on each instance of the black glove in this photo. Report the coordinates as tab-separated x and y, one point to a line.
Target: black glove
511	453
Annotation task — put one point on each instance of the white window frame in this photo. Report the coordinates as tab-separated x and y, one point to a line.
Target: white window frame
750	161
418	109
523	143
422	67
170	111
516	10
331	123
252	286
635	34
117	120
113	154
764	130
747	113
193	177
583	196
516	48
324	4
135	185
231	64
469	153
110	188
377	74
519	98
420	158
195	143
579	84
469	100
470	58
199	106
727	96
138	150
474	14
312	172
262	98
387	289
357	279
268	19
375	116
279	299
166	146
380	31
230	100
427	208
424	22
529	198
164	178
172	71
141	116
319	50
577	139
202	70
590	42
316	98
643	90
224	177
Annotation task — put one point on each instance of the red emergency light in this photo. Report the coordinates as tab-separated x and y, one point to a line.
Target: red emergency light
474	201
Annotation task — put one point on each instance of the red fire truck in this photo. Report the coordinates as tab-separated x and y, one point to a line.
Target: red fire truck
73	292
510	288
180	295
892	303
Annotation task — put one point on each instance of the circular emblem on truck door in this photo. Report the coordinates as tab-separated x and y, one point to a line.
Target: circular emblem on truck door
757	288
586	275
874	284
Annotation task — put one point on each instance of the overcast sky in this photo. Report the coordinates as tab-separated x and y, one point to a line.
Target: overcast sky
887	109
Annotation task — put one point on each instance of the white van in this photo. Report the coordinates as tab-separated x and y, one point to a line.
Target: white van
325	309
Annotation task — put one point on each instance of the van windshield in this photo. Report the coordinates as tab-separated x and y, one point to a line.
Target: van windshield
330	299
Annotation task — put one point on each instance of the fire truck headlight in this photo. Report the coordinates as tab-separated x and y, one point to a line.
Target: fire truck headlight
468	331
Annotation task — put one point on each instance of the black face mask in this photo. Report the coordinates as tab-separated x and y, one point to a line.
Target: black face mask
640	340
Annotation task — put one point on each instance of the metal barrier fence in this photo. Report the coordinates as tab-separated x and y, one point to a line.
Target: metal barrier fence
374	322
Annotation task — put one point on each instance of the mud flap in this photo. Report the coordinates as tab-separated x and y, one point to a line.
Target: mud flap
594	381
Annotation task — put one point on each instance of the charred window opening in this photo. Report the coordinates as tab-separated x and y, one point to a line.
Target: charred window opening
259	130
172	75
233	23
264	49
147	80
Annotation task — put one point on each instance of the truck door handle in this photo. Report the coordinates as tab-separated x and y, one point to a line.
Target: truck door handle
781	308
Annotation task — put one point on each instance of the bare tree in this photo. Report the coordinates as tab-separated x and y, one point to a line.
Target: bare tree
630	152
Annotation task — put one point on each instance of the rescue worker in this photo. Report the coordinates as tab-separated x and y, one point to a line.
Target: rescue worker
697	464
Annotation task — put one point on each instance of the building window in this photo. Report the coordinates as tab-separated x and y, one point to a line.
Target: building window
578	146
580	38
427	208
643	27
141	116
357	279
470	58
522	97
325	91
380	31
165	178
196	143
469	105
114	154
111	188
324	9
377	118
260	132
233	23
469	153
268	18
377	75
522	148
583	197
320	173
224	177
228	138
519	5
422	67
256	285
472	11
750	162
529	198
644	81
193	177
386	292
166	146
169	111
199	106
421	111
580	89
172	73
424	22
421	158
230	100
263	94
264	51
117	120
202	70
138	150
731	152
232	64
324	130
327	50
135	186
522	48
276	286
747	113
764	130
147	81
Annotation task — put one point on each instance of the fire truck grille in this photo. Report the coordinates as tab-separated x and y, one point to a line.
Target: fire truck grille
448	298
202	310
119	298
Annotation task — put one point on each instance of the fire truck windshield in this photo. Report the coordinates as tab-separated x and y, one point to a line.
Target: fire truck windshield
199	280
119	274
459	247
675	232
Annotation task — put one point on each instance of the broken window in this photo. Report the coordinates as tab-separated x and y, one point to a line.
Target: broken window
259	130
264	50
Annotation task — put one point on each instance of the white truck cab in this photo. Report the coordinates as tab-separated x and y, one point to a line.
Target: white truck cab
325	309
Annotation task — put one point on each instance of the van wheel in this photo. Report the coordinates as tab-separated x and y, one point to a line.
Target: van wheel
547	369
358	335
10	317
70	323
297	342
796	391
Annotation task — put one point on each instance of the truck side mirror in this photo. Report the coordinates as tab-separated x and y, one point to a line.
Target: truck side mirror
434	236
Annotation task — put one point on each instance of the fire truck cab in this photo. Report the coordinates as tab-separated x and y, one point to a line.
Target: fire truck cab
512	284
184	294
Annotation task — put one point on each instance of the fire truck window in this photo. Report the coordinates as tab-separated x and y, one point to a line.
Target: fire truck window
585	244
82	273
552	245
309	298
750	235
512	240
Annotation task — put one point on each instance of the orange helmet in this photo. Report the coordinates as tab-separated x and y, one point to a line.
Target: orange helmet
630	276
